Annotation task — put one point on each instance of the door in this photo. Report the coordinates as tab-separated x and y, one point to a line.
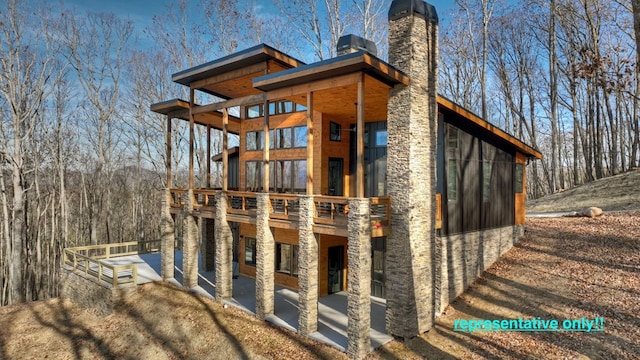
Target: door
336	265
336	177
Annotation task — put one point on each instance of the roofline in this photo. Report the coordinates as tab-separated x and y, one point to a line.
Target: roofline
185	77
341	65
528	150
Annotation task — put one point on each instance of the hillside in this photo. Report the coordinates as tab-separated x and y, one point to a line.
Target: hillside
615	193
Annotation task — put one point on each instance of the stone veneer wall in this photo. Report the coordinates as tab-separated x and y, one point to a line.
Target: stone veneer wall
464	257
90	293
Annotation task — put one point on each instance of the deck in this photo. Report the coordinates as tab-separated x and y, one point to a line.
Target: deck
330	212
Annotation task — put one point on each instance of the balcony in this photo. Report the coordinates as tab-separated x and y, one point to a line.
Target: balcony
330	212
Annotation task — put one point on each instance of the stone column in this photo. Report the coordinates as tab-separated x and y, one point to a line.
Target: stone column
359	279
307	269
168	240
265	261
411	164
191	244
224	247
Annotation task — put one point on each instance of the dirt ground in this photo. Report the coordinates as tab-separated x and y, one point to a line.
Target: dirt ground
564	268
615	193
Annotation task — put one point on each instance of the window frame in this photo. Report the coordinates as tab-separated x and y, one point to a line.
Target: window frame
335	131
253	249
292	263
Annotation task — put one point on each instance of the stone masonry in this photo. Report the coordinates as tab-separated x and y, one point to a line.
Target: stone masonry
266	260
359	279
307	269
190	247
168	239
411	164
224	247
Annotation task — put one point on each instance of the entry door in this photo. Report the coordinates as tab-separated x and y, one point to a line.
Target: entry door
336	265
336	177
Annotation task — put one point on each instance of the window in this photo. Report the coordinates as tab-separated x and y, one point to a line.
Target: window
253	175
287	259
288	176
283	138
519	178
250	251
299	136
453	138
255	111
335	131
253	140
381	138
452	180
275	107
486	181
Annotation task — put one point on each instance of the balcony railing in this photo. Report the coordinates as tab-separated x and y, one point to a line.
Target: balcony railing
329	210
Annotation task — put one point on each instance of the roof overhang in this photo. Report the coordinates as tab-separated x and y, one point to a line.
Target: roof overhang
491	131
179	109
335	67
235	61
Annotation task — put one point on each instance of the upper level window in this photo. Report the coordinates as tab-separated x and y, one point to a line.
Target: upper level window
335	131
255	111
275	107
253	140
300	136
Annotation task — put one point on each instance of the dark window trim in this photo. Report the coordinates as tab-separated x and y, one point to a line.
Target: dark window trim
293	250
335	131
253	253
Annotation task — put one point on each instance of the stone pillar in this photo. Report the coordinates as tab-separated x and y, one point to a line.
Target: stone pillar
411	165
359	279
168	239
191	244
307	269
265	261
224	247
208	244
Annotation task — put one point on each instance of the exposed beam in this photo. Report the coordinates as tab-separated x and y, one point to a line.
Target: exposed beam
191	136
225	150
360	139
309	143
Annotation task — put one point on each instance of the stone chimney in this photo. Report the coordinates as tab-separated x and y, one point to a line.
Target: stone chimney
348	44
411	169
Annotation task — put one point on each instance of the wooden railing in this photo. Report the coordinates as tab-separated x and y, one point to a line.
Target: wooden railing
176	197
204	197
331	210
380	210
284	206
241	203
88	259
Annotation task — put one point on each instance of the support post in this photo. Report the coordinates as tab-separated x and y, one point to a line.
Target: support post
191	244
265	148
309	143
224	247
191	136
168	239
360	139
225	150
208	156
307	269
359	279
265	262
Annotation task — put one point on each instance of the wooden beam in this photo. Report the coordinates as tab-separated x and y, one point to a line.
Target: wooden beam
234	74
314	86
191	137
241	101
168	160
360	139
265	148
309	143
225	150
208	156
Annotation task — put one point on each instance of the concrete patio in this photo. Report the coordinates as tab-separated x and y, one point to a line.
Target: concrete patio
332	309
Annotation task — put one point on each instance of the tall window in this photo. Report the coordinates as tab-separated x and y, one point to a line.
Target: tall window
452	180
254	140
335	131
288	176
253	175
287	259
250	251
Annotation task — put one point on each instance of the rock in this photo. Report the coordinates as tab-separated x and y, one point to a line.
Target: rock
592	212
573	214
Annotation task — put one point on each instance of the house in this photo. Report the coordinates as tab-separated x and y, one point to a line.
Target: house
351	174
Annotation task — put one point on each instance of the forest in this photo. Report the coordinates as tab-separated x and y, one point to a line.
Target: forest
82	156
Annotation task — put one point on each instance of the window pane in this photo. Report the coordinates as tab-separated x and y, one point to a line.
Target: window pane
300	136
452	181
253	175
300	107
250	251
288	106
284	138
300	175
286	175
283	258
251	141
381	138
254	111
519	177
272	139
453	137
335	131
272	108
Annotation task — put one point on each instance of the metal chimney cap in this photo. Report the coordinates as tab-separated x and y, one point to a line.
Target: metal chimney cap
352	43
403	8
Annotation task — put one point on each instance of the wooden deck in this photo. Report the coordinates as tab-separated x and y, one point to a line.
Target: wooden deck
331	212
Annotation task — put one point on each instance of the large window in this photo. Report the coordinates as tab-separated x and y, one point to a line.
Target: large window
250	251
287	259
287	138
288	176
253	175
254	140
